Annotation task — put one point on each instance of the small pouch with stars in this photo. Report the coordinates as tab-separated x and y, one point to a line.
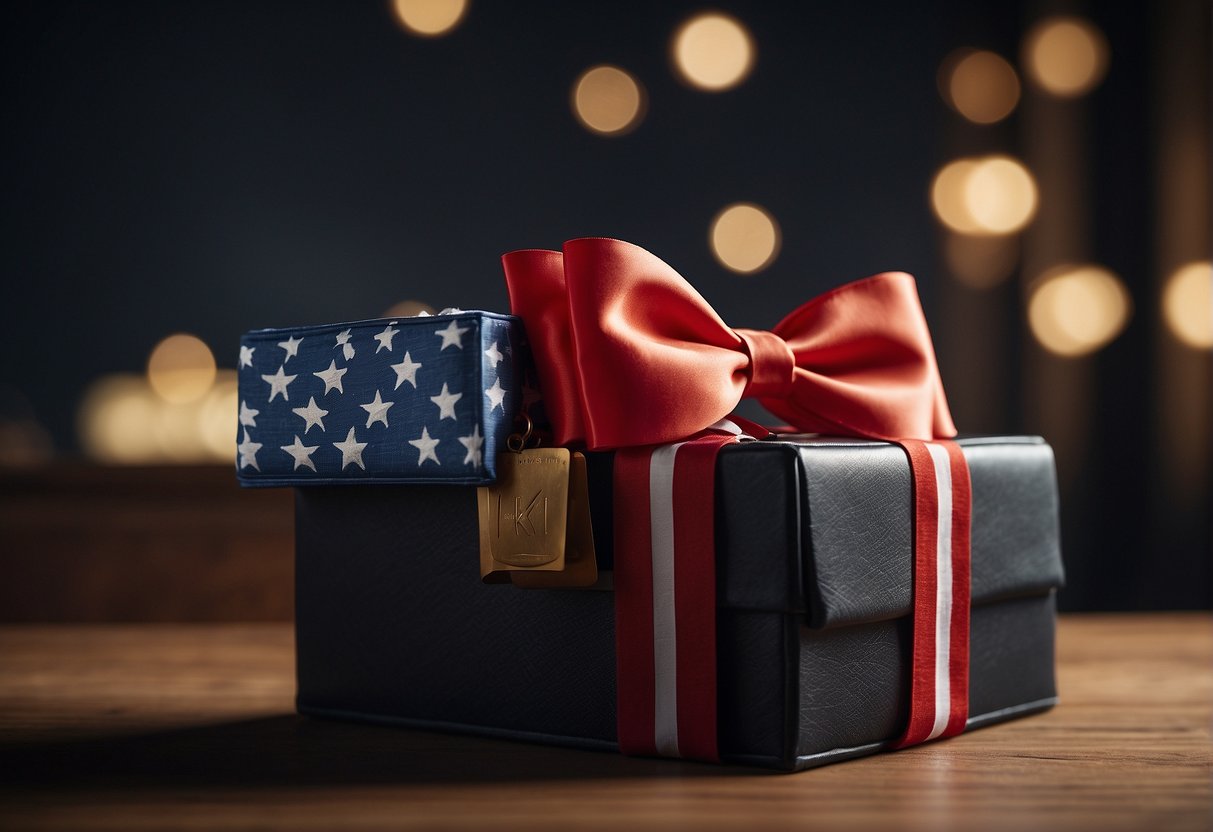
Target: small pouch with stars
430	399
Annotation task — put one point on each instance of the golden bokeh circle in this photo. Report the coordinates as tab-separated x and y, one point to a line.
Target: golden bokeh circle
408	309
713	51
177	433
1000	195
217	418
745	238
1187	304
116	420
948	196
985	195
982	86
181	368
607	100
429	18
1076	310
1065	56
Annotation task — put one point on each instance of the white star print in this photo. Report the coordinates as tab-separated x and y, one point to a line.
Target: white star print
311	415
495	354
426	446
496	396
332	378
376	410
278	382
452	336
248	416
291	345
343	341
248	451
446	403
385	338
301	453
473	443
406	370
246	356
351	450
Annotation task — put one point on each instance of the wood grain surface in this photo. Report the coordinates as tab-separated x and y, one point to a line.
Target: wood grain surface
153	726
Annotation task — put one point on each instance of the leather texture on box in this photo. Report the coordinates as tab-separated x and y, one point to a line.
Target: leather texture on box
813	573
402	400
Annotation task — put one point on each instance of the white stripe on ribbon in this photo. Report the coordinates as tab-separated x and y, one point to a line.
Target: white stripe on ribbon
943	589
729	426
665	637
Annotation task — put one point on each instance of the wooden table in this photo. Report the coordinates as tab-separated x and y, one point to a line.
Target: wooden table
154	726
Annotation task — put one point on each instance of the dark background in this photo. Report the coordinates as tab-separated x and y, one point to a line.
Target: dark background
218	167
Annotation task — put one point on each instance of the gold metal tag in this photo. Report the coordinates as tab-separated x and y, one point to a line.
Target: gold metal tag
580	561
523	516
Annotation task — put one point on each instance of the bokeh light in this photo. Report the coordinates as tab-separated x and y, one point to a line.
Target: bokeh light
607	100
713	51
745	238
24	441
1065	56
408	309
981	262
216	418
948	196
123	421
117	419
181	368
987	195
980	85
178	435
1187	304
1000	195
429	18
1075	310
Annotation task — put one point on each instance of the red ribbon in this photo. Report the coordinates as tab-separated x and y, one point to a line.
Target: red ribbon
630	356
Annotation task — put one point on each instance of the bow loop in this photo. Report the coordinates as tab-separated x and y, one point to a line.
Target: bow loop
865	364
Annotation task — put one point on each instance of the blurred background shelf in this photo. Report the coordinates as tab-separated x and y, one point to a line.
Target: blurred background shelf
82	542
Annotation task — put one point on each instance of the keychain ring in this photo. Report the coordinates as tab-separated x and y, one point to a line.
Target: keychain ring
515	442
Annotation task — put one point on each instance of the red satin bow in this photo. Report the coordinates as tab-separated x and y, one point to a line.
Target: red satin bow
631	357
630	354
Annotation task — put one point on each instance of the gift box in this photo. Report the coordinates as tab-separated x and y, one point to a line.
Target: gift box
423	399
782	600
813	626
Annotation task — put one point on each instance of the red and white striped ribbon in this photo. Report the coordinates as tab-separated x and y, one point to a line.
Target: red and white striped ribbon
665	594
939	676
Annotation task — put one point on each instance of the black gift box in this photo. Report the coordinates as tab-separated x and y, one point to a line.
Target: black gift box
814	559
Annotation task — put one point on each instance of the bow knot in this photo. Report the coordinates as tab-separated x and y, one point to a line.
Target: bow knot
630	354
772	364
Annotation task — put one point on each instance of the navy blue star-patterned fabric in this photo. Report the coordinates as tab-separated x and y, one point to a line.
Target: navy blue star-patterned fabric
412	400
